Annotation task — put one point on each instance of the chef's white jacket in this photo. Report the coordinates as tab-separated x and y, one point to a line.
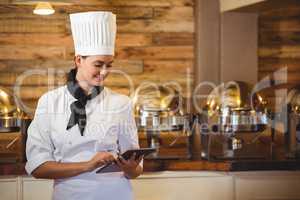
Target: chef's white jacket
110	127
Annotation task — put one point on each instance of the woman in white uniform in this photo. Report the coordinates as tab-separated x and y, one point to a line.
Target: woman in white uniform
81	126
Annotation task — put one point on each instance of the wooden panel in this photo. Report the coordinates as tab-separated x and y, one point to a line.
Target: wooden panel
36	79
282	13
174	13
60	66
291	77
133	39
279	49
155	52
273	64
31	52
5	1
121	81
150	3
34	86
11	147
165	66
154	37
279	38
45	79
129	66
155	26
39	25
20	65
121	12
31	101
279	52
8	10
280	25
48	77
173	38
36	39
32	92
26	12
66	40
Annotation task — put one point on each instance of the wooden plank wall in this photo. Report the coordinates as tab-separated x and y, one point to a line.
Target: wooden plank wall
154	43
279	47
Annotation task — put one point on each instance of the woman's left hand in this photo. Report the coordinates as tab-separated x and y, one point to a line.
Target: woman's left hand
131	166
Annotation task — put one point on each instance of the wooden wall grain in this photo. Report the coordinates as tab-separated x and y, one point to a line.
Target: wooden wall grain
155	42
279	48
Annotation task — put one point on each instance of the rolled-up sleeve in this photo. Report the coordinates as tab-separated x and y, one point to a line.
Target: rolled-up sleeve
39	146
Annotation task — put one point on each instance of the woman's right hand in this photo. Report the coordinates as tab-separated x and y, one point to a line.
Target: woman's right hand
100	159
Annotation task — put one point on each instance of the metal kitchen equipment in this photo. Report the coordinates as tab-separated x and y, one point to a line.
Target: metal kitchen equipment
233	119
290	115
159	113
13	123
9	113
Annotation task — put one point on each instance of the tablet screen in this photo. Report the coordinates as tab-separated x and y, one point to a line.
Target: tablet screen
112	167
139	152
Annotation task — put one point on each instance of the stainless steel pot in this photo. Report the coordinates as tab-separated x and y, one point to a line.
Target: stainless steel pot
13	129
232	107
159	108
10	114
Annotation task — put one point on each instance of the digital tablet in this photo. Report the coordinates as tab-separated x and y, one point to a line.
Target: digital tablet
138	152
113	167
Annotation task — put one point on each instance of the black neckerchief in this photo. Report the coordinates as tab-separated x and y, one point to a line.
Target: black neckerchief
78	114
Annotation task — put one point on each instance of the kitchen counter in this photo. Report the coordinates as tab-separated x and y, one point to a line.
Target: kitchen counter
227	166
189	165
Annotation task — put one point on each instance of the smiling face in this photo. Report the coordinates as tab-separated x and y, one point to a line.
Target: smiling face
92	70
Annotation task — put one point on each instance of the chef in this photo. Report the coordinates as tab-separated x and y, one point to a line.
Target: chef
83	125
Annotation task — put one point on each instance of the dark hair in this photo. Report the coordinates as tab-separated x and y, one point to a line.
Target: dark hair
83	57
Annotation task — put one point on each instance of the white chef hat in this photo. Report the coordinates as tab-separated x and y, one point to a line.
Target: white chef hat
94	33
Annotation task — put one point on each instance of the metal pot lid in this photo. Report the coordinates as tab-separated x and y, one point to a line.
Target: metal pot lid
7	103
293	100
159	99
234	96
